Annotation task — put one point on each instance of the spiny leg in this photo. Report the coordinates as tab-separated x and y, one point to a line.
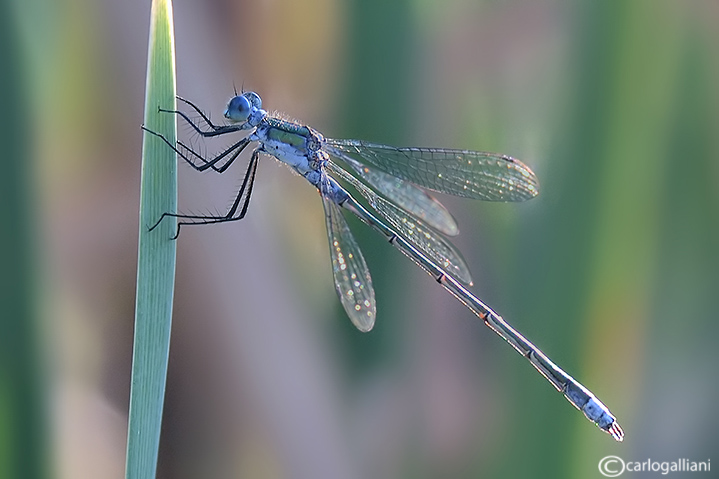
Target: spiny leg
200	112
247	184
216	131
237	148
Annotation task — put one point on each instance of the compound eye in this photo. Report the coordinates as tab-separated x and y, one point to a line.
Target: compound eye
254	98
238	109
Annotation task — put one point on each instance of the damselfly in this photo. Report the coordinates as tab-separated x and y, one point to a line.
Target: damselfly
390	180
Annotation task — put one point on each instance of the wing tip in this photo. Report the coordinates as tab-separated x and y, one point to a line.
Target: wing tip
365	325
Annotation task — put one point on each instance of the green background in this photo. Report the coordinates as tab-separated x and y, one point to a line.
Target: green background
613	270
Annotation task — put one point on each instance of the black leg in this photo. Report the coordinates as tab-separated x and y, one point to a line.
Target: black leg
247	185
216	131
200	112
240	147
237	148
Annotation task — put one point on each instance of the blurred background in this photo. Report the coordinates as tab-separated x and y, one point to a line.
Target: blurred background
613	270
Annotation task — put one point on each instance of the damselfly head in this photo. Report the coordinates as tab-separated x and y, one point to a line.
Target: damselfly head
238	109
246	107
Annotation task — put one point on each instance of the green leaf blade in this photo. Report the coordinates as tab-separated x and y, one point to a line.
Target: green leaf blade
156	252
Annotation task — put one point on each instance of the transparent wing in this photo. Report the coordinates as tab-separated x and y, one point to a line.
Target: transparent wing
439	250
471	174
404	194
352	279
